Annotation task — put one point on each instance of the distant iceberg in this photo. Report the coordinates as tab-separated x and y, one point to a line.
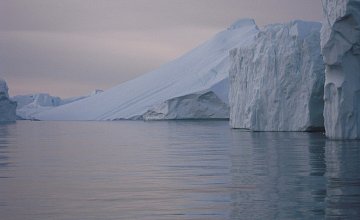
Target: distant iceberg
190	87
29	105
7	107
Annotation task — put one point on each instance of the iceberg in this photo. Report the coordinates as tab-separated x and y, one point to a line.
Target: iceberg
340	43
29	105
276	82
193	86
7	107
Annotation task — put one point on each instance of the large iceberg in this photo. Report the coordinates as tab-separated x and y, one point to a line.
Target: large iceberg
340	41
29	105
192	86
7	107
276	82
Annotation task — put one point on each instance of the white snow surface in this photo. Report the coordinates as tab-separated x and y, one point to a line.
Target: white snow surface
29	105
276	82
7	107
194	75
340	40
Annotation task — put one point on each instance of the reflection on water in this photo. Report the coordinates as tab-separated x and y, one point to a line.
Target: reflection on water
343	180
278	176
173	170
4	157
4	143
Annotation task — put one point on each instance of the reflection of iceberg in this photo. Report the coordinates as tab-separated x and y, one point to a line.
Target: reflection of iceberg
317	162
343	180
277	176
294	176
4	159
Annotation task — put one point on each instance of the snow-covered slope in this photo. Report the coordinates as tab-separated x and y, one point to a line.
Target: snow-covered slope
29	105
7	107
340	41
185	78
276	83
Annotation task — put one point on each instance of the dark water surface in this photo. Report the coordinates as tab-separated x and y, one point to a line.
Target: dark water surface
173	170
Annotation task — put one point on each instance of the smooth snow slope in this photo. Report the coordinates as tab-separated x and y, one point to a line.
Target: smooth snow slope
199	70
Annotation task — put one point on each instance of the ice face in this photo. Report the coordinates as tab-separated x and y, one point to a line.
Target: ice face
276	82
201	105
28	105
7	107
4	88
340	40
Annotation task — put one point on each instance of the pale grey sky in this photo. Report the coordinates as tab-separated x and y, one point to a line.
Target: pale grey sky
70	47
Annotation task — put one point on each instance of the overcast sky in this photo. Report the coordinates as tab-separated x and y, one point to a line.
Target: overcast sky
71	47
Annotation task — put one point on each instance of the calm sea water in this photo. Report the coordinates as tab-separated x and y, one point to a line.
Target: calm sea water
173	170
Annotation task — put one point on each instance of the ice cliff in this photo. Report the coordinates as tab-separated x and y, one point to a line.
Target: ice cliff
340	41
7	107
29	105
192	86
208	104
276	82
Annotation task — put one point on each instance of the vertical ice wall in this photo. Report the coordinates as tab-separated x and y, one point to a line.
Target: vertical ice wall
7	107
340	41
276	83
